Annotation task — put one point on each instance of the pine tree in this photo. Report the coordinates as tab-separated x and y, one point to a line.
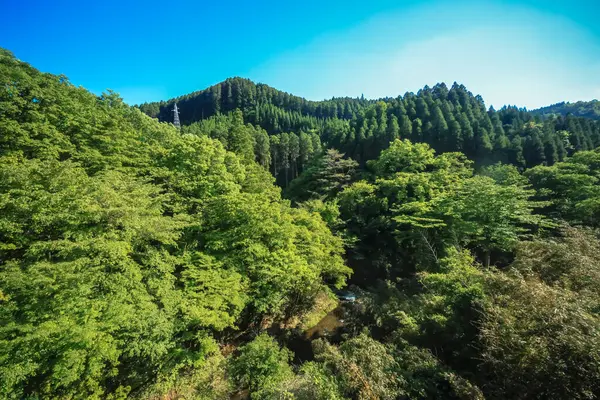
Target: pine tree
439	127
417	130
534	149
406	129
262	148
284	154
516	156
393	129
294	153
275	154
550	151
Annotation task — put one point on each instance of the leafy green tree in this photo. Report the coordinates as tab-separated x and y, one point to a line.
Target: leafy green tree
505	174
489	216
93	304
538	341
306	150
403	156
324	178
261	366
571	187
315	382
262	148
128	249
364	367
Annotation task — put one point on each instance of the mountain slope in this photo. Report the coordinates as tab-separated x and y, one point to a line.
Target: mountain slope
258	101
587	109
448	119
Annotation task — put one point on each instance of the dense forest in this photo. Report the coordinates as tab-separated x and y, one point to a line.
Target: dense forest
588	109
448	120
146	262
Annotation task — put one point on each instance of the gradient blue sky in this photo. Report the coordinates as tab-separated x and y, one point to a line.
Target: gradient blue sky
529	53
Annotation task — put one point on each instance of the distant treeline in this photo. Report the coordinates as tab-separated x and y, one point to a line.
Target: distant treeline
446	119
587	109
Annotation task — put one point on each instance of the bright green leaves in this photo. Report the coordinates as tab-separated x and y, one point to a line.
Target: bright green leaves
127	247
280	251
484	214
78	285
449	298
572	187
323	251
52	201
418	197
403	156
46	117
213	296
261	366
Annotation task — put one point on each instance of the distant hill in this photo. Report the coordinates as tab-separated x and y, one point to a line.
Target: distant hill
449	119
587	109
263	105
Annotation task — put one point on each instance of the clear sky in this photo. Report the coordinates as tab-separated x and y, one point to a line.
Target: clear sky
529	53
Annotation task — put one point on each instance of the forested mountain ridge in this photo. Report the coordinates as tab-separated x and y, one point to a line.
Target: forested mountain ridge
258	101
138	261
587	109
448	119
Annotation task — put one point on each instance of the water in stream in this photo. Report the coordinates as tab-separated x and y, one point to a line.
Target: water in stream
328	327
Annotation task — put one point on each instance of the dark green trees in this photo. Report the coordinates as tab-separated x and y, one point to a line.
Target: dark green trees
446	119
324	178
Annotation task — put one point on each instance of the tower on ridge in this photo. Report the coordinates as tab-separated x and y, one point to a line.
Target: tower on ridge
176	117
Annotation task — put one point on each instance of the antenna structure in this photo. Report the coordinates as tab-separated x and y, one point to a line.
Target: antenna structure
176	117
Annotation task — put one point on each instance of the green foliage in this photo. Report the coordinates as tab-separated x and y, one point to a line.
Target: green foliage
539	341
323	179
363	367
489	216
570	261
427	378
504	174
134	257
88	279
447	119
436	310
314	381
403	156
571	187
589	109
317	383
261	366
128	249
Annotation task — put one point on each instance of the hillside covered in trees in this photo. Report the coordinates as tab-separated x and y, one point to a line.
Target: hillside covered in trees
448	119
588	109
141	261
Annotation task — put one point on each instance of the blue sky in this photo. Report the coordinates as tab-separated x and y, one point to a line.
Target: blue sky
529	53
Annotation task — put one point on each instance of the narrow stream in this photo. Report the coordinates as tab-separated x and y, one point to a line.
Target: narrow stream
328	327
